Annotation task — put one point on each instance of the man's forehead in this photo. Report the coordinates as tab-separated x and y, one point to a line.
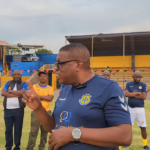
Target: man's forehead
137	75
63	56
42	74
106	73
16	72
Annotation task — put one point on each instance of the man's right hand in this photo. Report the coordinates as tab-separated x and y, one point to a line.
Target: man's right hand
31	98
138	93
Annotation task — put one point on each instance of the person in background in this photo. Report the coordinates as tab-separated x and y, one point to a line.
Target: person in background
90	113
136	91
14	109
45	93
106	74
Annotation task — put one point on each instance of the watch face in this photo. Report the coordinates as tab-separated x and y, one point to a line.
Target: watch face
76	133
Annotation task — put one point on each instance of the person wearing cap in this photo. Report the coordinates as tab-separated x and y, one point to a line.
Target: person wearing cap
45	92
136	91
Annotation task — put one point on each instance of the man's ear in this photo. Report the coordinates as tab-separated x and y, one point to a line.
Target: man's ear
79	66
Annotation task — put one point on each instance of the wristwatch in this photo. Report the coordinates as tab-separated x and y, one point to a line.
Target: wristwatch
76	133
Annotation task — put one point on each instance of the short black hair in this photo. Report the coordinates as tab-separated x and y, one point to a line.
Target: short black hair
78	52
42	72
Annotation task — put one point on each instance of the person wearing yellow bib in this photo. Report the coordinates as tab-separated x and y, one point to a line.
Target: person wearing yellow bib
45	93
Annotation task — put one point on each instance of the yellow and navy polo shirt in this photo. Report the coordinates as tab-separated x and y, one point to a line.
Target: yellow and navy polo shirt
44	91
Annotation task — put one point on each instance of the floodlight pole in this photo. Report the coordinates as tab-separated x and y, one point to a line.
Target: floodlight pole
92	47
123	57
66	41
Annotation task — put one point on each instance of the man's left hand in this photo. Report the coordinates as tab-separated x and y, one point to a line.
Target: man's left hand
60	137
10	91
139	93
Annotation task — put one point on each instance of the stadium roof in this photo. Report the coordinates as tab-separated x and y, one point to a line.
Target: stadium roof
111	44
5	43
30	46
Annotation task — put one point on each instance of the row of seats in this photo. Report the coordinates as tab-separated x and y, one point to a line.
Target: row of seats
118	77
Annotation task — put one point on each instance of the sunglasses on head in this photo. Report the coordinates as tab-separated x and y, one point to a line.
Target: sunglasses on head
64	62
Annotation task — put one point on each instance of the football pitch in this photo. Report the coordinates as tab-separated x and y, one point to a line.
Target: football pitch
136	138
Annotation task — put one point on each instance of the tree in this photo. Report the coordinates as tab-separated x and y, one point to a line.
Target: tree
13	50
43	51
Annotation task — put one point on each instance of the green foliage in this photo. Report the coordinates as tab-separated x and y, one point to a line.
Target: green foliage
43	51
13	51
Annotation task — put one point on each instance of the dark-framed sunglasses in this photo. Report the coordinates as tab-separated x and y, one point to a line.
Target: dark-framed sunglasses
64	62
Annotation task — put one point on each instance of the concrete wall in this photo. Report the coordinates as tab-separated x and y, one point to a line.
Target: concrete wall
29	67
12	58
111	61
34	78
117	61
47	58
26	67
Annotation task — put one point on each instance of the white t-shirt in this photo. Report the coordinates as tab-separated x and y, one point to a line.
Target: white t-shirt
13	102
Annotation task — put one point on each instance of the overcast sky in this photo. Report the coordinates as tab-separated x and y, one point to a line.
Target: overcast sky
47	22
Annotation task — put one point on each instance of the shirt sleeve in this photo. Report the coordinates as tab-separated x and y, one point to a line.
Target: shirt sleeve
55	107
6	87
53	111
24	87
127	87
51	91
145	88
115	106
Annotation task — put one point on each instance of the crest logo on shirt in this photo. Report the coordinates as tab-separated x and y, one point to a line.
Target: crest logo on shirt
65	116
85	99
124	105
9	88
140	87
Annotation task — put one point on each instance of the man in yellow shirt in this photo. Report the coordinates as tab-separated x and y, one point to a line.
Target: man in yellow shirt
45	93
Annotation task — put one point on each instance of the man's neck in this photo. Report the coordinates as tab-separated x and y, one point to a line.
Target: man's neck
86	76
136	82
17	81
43	84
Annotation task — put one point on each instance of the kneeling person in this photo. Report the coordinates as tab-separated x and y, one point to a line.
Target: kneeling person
45	93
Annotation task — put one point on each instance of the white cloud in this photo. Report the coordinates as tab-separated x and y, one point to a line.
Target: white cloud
48	21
